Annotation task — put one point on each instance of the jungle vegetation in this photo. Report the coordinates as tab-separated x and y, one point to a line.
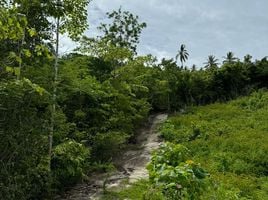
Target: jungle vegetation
64	116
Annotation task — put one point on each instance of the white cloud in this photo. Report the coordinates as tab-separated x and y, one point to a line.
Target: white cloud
66	45
206	27
155	52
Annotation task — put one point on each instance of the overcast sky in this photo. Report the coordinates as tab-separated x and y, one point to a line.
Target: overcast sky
205	26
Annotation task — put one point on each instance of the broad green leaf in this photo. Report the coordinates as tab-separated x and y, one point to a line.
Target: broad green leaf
17	71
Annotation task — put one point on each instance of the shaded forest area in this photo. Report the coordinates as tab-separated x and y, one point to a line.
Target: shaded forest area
65	116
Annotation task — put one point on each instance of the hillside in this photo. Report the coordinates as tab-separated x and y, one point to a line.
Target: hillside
230	142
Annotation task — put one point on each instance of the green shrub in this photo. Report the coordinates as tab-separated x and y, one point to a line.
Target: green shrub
106	145
230	141
24	166
255	101
68	162
153	194
135	191
171	169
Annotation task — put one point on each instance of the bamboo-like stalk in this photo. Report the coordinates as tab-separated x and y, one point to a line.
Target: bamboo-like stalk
54	95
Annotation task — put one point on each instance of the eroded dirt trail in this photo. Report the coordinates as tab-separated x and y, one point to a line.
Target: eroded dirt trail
131	165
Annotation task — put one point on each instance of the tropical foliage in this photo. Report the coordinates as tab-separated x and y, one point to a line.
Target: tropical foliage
230	141
172	170
182	54
62	116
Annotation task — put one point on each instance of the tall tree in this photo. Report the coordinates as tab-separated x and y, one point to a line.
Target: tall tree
230	58
118	43
182	54
247	58
193	69
70	18
211	62
124	31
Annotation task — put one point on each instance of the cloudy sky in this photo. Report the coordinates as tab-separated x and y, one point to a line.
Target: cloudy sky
205	26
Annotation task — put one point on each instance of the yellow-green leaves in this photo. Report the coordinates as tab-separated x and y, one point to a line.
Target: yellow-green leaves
42	50
26	53
73	17
32	32
13	28
9	69
36	87
12	24
17	71
13	70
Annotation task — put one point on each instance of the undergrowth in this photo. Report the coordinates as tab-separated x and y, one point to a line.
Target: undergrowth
229	141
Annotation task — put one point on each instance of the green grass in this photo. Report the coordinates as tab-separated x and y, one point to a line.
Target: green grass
230	141
134	192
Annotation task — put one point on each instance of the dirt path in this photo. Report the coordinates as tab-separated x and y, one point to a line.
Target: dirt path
131	165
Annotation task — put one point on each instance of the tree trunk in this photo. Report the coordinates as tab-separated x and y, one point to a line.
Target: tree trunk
20	55
54	95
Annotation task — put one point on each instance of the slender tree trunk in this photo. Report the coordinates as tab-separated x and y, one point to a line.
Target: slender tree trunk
20	55
168	102
54	95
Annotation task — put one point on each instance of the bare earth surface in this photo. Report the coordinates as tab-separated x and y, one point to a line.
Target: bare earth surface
131	165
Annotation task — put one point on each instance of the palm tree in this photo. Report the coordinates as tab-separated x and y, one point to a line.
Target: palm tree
212	62
182	54
193	68
247	58
230	58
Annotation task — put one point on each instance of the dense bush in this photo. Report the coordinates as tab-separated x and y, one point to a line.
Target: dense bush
69	162
178	176
24	140
230	141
